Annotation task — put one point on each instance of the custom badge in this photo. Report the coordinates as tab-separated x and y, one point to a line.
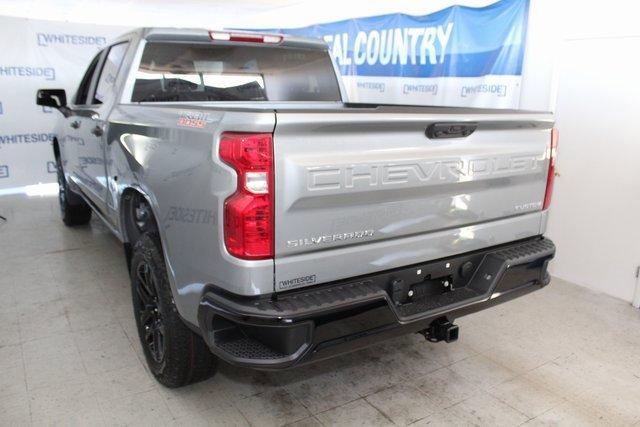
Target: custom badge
194	119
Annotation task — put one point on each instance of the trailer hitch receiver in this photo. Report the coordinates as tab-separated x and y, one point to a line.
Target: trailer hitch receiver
441	330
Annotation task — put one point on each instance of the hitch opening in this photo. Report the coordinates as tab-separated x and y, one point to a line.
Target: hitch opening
441	330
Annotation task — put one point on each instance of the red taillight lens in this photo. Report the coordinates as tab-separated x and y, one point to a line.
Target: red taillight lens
248	213
551	174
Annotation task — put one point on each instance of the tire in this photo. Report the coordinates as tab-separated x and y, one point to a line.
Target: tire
73	209
176	355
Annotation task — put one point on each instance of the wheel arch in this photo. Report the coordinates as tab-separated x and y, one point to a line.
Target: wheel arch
129	230
129	236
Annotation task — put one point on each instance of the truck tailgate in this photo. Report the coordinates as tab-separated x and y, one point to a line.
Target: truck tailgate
365	190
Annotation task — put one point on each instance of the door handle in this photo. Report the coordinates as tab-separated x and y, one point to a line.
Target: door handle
75	124
97	131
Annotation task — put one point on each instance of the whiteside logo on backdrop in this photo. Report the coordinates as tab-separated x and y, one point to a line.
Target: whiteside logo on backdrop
494	89
26	138
4	171
48	39
49	73
415	45
420	88
375	86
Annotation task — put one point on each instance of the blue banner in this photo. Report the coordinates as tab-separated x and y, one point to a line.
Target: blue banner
455	42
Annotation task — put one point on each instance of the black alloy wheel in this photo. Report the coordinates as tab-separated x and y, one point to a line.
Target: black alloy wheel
149	311
175	354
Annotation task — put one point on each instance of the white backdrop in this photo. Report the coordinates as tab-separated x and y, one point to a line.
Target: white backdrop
38	54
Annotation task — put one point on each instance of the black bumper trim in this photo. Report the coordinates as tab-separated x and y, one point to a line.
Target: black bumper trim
314	323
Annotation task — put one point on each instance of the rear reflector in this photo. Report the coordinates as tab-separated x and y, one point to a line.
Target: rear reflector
244	37
551	174
248	213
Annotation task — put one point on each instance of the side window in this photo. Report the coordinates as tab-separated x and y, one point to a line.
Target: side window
109	72
83	89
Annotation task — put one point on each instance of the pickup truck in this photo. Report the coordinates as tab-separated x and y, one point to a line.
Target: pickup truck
268	222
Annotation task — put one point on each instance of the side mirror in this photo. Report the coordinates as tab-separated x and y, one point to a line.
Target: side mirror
55	98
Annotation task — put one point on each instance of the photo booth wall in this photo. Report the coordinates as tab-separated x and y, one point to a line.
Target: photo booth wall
38	54
458	56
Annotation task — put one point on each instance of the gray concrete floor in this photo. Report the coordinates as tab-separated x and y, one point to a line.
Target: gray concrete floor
69	354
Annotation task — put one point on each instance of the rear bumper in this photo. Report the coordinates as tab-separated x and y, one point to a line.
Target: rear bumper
317	323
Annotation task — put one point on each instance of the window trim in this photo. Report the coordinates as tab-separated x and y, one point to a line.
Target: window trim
97	59
102	64
127	91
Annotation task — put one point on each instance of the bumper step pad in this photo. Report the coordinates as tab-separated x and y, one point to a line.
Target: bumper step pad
249	349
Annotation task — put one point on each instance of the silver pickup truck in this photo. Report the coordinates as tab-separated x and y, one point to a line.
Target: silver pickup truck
270	223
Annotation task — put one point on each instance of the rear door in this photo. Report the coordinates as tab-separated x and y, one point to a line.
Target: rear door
72	141
93	120
365	190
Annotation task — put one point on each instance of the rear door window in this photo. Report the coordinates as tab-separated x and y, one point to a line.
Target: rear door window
205	72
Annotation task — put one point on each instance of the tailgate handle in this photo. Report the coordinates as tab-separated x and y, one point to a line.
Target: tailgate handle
450	130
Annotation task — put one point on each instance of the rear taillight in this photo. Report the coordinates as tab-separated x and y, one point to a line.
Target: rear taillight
248	213
551	174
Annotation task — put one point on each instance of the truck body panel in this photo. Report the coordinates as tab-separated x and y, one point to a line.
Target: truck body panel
187	184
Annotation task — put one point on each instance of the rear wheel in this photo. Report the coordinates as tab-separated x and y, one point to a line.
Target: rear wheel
175	355
73	209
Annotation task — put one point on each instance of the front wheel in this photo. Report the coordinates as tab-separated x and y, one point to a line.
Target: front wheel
175	355
73	209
